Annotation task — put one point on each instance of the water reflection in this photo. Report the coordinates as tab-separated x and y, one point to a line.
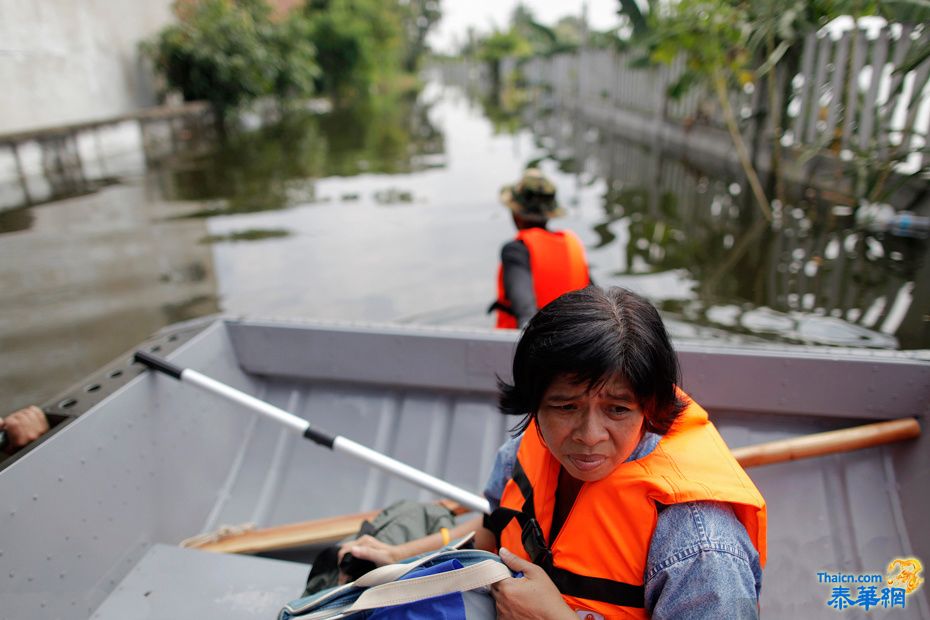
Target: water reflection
389	212
811	278
15	220
91	277
185	310
21	218
250	234
505	108
276	166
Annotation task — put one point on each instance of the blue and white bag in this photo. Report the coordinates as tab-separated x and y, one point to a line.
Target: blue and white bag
451	584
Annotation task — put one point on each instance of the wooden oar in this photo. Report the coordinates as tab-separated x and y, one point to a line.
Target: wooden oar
317	531
331	529
830	442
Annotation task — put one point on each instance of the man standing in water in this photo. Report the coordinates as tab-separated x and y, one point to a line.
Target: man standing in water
539	264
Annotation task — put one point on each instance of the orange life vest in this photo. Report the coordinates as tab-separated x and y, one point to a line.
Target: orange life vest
557	263
598	559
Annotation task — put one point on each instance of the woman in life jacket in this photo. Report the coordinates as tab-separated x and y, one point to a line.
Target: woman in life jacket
616	497
538	264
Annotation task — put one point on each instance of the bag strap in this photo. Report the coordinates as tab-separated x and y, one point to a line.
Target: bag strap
382	575
478	575
392	572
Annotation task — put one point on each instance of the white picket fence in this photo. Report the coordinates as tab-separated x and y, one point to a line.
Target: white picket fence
846	96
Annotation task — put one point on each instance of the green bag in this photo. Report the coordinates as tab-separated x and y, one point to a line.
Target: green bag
400	522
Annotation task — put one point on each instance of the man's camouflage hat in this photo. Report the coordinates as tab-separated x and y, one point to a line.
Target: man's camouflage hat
532	197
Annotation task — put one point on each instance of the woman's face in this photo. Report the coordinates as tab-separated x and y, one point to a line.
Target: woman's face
590	432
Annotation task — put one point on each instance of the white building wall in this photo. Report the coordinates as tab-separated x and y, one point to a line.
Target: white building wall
70	61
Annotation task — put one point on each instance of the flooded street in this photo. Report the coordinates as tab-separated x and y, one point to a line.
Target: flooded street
389	212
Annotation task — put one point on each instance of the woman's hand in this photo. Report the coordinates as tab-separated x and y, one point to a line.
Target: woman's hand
371	549
532	596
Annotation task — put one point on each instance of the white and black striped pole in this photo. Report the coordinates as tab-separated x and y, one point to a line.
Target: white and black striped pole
333	442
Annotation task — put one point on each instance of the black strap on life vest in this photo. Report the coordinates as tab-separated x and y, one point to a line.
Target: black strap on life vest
568	583
498	520
501	307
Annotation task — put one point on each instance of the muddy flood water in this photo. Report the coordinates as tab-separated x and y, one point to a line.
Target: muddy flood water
388	212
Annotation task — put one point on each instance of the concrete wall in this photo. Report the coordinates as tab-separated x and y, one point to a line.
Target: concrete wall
68	61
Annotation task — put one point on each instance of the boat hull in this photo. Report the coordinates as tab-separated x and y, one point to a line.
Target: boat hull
92	513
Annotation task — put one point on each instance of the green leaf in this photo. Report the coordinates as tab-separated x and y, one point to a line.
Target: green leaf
681	86
905	11
915	57
641	62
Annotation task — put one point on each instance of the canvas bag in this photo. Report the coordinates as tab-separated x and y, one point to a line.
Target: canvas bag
450	584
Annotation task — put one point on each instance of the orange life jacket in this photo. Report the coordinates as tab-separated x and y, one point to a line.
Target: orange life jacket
598	559
557	263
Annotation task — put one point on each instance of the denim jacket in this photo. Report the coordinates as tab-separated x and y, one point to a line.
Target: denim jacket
701	563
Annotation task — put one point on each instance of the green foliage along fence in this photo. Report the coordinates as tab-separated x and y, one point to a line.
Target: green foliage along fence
847	99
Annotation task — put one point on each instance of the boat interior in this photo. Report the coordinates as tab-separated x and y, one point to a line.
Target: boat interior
94	513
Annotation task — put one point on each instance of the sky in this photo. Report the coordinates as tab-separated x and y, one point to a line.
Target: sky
458	15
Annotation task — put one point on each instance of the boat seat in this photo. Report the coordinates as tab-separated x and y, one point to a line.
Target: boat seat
173	582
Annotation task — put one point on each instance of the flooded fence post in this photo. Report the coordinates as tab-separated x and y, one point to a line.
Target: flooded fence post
20	173
61	164
57	162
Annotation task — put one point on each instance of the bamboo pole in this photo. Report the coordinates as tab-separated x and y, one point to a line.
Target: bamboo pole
331	529
831	442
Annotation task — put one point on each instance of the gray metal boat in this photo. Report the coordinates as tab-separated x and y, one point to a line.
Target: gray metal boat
92	515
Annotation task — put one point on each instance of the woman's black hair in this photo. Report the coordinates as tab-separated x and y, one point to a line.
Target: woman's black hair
591	335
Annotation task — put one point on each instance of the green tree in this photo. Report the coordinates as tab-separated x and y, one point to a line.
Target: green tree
216	53
727	43
341	52
229	52
565	36
292	51
419	17
570	32
498	46
523	24
359	43
712	35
